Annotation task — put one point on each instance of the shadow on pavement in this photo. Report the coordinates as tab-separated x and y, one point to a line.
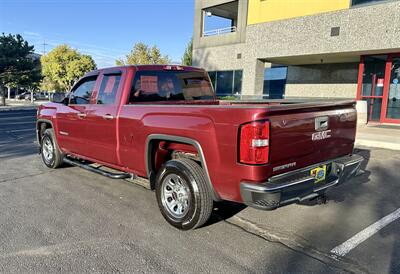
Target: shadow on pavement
224	210
14	150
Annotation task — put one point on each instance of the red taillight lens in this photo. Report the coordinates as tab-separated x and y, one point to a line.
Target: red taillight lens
254	143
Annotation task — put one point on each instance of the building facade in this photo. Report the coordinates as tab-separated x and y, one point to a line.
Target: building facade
303	49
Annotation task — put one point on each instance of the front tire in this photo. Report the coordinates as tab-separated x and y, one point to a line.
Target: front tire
51	155
183	195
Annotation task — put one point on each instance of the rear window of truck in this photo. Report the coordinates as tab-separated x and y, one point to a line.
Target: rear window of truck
153	86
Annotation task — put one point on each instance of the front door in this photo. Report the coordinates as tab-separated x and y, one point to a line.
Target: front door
372	85
391	105
71	120
379	85
102	119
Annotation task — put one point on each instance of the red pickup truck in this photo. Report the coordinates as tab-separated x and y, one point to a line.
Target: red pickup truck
164	124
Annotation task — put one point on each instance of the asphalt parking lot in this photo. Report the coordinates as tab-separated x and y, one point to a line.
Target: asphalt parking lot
70	220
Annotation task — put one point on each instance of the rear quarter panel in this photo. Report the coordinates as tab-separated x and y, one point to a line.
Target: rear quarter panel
215	128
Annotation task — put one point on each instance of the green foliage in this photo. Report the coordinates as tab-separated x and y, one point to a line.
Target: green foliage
187	55
63	66
142	54
18	63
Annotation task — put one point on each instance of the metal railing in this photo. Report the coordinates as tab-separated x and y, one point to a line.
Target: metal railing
219	31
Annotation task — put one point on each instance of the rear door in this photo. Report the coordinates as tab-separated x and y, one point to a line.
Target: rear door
102	118
71	120
306	136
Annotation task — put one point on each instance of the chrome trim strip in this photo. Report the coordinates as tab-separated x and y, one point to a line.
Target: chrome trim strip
266	188
346	161
289	173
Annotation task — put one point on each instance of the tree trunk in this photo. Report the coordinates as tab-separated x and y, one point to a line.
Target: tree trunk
2	96
32	97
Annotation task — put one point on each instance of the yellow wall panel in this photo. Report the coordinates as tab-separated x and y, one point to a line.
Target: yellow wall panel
260	11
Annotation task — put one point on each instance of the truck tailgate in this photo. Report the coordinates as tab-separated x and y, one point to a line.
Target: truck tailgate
306	136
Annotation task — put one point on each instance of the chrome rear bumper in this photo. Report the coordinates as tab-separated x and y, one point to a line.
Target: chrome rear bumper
298	185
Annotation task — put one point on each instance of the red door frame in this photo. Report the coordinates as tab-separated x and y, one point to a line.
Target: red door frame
386	86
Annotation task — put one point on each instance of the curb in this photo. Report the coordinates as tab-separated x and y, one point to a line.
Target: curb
377	144
8	108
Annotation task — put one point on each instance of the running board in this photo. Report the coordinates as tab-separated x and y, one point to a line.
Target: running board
98	170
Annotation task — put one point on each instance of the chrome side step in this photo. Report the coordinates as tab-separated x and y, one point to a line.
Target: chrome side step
98	170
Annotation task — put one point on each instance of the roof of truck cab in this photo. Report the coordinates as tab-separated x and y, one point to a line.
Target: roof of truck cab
143	67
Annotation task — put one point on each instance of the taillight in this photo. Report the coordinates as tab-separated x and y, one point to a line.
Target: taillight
254	143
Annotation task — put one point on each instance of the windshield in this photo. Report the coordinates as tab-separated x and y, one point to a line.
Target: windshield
150	86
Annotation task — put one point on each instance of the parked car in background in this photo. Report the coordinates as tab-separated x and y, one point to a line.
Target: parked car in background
43	95
37	96
164	124
21	96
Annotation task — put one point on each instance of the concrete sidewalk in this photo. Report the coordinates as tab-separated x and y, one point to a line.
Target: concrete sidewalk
17	107
20	105
380	136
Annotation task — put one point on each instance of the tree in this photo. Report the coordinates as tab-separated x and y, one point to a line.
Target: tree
187	55
63	66
144	55
18	64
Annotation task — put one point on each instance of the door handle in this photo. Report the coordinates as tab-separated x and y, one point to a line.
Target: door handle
108	117
82	115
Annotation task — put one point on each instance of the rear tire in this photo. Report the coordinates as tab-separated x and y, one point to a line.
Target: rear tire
51	154
183	195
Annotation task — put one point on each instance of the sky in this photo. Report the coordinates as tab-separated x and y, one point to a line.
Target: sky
105	29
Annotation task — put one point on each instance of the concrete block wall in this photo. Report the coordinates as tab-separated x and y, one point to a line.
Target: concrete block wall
364	30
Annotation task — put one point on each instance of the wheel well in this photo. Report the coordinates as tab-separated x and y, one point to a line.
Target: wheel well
161	151
41	127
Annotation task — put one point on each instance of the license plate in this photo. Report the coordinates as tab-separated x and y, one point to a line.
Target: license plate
319	173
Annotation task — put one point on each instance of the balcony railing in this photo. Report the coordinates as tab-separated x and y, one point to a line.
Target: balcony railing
219	31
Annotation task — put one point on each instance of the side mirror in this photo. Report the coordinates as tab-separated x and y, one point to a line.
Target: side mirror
59	97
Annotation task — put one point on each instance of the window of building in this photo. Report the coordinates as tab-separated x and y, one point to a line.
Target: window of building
220	19
227	82
82	91
361	2
213	77
237	83
275	82
108	89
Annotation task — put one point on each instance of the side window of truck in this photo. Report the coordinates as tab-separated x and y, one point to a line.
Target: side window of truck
82	91
108	89
153	86
170	85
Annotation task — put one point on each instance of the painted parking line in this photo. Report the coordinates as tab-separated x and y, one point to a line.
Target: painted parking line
347	246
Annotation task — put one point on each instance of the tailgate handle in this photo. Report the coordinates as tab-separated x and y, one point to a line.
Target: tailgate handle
321	123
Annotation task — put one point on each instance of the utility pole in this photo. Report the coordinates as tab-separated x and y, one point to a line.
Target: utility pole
44	47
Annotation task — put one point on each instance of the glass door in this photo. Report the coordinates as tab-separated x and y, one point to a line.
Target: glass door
372	85
391	106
